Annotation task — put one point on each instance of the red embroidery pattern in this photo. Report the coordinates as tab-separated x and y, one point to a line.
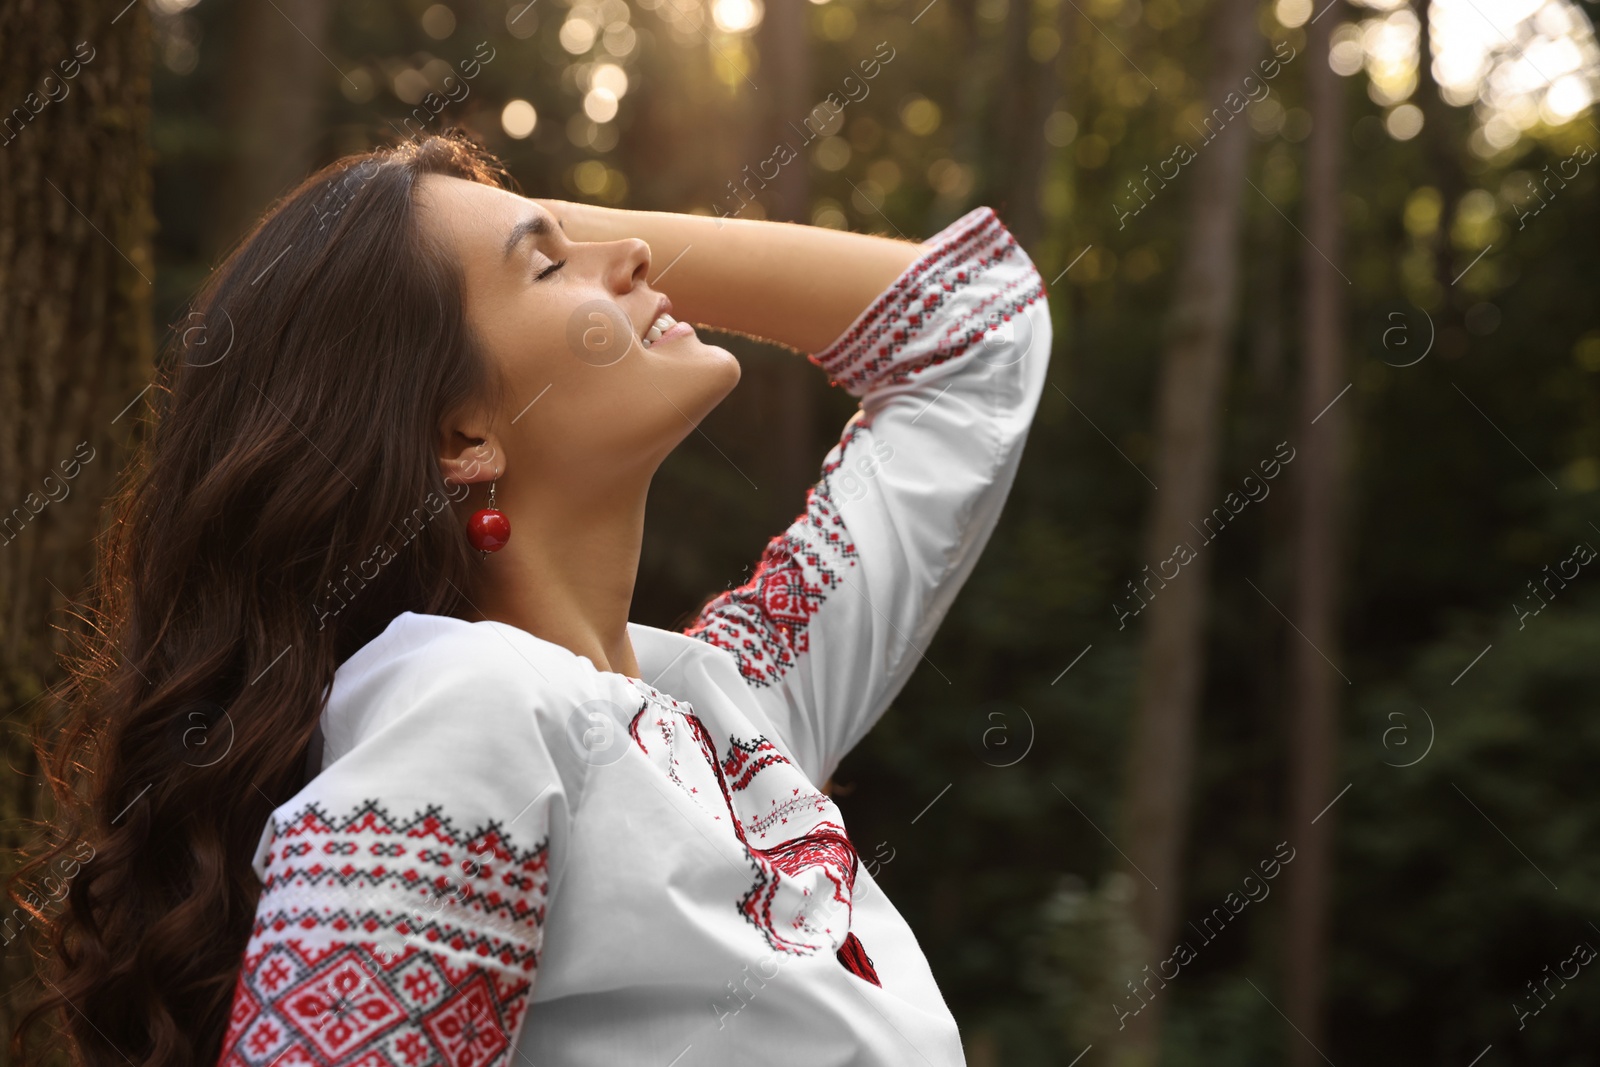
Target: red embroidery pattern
996	308
818	845
745	760
388	943
352	1005
764	621
972	245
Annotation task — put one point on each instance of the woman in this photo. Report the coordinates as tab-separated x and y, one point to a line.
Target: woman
379	771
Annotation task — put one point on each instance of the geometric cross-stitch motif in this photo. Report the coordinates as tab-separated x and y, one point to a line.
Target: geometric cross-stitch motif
389	942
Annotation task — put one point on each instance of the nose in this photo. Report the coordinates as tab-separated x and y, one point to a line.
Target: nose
628	265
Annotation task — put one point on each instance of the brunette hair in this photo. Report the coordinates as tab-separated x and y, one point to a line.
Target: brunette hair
282	507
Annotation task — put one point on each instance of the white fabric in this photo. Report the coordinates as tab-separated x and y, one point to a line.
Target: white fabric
507	847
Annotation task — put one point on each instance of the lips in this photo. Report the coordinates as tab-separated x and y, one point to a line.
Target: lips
663	327
663	322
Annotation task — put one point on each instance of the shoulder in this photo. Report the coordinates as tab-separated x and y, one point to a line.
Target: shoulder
482	681
458	731
441	719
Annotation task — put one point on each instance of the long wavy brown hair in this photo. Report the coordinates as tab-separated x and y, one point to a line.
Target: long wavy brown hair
285	503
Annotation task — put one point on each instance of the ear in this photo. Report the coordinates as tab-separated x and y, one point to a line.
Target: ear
469	453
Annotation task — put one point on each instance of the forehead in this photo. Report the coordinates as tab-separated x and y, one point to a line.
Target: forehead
472	218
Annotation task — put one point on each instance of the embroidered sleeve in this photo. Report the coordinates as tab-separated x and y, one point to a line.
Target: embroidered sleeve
401	918
949	365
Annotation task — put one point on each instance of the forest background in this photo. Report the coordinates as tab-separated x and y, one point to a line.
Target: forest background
1259	734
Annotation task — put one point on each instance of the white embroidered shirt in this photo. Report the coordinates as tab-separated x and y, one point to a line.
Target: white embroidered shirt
509	856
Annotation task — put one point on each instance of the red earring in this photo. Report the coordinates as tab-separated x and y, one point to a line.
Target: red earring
489	529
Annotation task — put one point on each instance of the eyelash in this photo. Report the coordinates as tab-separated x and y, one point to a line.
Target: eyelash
551	269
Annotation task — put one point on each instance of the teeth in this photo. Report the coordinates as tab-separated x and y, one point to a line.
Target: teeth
662	324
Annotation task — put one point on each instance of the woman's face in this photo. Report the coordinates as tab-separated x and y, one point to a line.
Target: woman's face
589	401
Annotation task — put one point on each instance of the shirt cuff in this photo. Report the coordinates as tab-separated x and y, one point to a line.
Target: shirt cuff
886	333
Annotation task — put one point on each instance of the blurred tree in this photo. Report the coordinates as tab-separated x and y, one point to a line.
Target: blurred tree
1315	683
75	292
786	386
1020	150
276	85
1189	429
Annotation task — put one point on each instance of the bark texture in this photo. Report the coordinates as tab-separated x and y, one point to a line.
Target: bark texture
75	350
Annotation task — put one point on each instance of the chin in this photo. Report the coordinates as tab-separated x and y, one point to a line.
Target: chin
728	363
721	373
693	378
696	360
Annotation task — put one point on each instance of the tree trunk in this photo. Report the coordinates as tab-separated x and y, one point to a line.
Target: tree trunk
1016	152
278	74
75	295
973	109
788	393
1314	685
1031	99
1189	430
1271	295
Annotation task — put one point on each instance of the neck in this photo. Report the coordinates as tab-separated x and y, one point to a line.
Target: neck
568	572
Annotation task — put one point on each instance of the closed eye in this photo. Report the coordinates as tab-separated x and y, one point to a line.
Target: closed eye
551	269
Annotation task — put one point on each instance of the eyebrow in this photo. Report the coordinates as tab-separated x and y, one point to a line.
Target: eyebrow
534	225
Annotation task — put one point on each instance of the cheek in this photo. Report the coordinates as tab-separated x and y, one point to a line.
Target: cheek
596	334
528	340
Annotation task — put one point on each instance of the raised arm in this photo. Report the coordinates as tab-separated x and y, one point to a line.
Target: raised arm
800	286
946	345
